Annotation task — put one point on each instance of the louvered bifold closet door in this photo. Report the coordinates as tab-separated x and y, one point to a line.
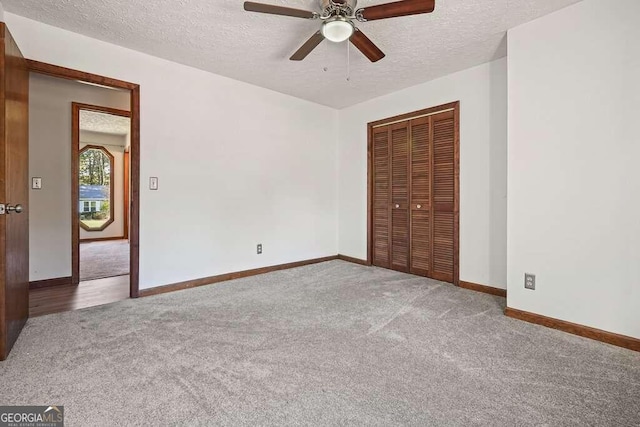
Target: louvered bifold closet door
420	197
381	198
399	138
443	196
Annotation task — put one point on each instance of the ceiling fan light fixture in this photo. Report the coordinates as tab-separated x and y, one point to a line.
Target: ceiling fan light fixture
337	30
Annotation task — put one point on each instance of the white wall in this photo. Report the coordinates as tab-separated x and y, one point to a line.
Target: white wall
483	131
574	181
50	158
237	164
114	144
573	210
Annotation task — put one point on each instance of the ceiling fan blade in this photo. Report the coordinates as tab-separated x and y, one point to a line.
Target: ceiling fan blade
278	10
306	48
395	9
366	46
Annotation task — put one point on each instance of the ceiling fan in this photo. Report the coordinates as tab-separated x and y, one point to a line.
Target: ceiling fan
337	25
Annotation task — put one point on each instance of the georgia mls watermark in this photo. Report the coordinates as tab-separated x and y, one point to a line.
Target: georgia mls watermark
31	416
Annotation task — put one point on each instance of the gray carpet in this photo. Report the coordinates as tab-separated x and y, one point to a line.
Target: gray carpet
104	259
330	344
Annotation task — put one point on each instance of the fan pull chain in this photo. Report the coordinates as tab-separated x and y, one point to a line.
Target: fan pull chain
348	62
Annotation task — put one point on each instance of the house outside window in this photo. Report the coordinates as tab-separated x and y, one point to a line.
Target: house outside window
90	206
95	206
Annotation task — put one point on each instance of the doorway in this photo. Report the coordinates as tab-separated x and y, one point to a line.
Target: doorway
102	192
101	140
133	156
414	193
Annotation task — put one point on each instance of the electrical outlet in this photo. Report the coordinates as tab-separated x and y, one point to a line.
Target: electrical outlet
530	281
259	248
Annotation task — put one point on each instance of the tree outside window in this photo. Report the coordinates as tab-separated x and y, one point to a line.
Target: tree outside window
95	174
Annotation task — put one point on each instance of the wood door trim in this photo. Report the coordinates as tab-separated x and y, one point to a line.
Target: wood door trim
456	190
75	194
575	329
134	216
452	106
390	197
71	74
101	109
369	195
125	166
416	114
409	192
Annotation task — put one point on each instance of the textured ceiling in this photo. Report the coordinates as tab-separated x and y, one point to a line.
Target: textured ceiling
219	36
104	123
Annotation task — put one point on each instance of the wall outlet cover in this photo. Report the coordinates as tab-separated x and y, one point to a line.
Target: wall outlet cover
530	281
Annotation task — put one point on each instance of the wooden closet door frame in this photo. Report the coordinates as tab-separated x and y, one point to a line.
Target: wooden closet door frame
453	106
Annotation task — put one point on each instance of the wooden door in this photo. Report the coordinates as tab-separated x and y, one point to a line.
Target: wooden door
399	147
414	192
390	210
443	213
14	225
420	196
381	173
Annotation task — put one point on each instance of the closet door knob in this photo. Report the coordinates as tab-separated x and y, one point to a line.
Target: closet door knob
397	206
418	206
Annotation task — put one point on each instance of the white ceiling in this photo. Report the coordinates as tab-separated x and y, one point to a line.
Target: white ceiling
219	36
93	121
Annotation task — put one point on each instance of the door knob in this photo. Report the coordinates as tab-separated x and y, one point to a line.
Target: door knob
419	206
397	206
16	208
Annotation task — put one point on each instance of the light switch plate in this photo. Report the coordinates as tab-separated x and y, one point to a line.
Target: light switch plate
36	183
153	183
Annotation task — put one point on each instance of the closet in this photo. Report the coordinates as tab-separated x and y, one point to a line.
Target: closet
413	173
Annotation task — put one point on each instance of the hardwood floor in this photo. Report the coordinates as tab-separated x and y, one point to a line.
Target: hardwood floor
87	294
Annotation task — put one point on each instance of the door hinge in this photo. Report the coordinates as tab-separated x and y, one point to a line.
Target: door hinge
2	209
